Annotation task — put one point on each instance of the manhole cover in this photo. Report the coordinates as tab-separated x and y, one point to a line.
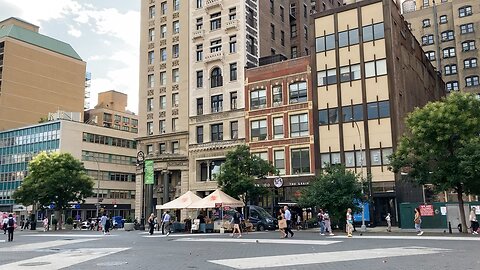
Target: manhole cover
111	263
35	264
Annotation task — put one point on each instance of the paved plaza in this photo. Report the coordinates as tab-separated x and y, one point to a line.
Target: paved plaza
306	250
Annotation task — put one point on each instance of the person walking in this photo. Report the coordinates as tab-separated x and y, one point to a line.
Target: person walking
288	217
151	223
108	225
418	221
473	221
321	222
4	225
328	223
282	223
10	227
349	219
166	223
389	222
103	222
236	225
45	224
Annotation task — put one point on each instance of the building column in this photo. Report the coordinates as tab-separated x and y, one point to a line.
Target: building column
166	186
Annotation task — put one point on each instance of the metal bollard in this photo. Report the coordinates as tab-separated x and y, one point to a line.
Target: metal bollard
449	227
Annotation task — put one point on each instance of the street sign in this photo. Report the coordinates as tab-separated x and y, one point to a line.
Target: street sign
427	210
218	205
278	182
52	206
149	172
77	206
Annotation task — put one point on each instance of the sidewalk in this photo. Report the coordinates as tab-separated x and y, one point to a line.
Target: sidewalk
382	230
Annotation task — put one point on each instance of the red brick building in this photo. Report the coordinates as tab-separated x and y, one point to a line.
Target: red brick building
279	117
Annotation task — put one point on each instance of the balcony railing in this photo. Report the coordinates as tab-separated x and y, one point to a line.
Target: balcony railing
198	33
212	3
215	56
232	24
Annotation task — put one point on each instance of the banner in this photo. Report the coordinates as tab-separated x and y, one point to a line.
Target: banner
148	172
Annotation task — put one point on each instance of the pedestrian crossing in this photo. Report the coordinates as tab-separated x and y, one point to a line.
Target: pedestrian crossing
409	237
260	241
324	257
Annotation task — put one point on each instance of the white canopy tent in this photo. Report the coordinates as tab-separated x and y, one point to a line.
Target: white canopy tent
215	198
181	202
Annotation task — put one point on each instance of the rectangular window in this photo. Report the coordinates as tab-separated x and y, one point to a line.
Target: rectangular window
199	52
299	125
199	78
426	23
199	23
200	134
233	71
232	14
282	13
233	100
352	113
443	19
468	46
305	32
452	86
305	11
294	52
430	55
215	21
379	109
217	103
149	149
199	106
216	45
258	99
175	75
272	7
293	30
174	124
151	81
199	3
162	126
176	5
327	77
175	51
175	100
216	132
149	104
466	28
470	63
163	31
328	116
151	34
448	52
258	130
162	148
348	38
278	128
175	147
151	12
373	32
163	102
272	31
233	44
298	92
350	73
163	54
279	161
277	95
176	27
163	7
325	43
163	78
447	35
300	161
375	68
282	38
150	128
234	130
465	11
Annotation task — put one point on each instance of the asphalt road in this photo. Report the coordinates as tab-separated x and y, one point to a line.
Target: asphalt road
306	250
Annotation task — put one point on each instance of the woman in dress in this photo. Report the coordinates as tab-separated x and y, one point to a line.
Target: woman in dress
282	224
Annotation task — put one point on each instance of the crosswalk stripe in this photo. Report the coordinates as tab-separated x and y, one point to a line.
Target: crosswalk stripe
61	260
410	237
44	245
324	257
190	235
260	241
2	241
68	235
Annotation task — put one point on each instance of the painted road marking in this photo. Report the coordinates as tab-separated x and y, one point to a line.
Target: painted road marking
406	237
261	241
62	260
192	235
69	235
324	257
2	241
45	245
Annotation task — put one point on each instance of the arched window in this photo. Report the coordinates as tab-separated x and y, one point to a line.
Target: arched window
216	79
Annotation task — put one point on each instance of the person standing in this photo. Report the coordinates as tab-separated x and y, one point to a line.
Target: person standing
288	217
103	222
4	225
328	223
166	222
473	221
418	221
321	222
108	225
236	224
349	219
45	224
10	227
282	224
389	222
151	223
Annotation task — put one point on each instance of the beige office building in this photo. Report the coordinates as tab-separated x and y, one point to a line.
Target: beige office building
370	72
51	78
111	112
448	33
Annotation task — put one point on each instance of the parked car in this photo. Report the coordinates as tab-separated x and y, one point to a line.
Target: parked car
261	219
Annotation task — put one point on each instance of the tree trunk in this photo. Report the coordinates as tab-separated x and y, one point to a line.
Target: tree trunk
58	217
462	210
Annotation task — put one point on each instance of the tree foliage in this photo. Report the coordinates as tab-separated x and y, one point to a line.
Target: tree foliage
238	173
56	178
442	147
335	190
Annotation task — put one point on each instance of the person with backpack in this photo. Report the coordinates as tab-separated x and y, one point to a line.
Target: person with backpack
321	222
10	227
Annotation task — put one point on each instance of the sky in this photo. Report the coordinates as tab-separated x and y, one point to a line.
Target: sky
105	33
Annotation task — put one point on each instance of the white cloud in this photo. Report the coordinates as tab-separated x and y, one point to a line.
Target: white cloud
44	10
74	32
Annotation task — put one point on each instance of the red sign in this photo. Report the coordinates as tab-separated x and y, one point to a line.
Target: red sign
427	210
226	208
218	205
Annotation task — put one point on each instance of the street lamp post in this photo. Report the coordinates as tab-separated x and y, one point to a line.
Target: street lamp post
364	227
141	162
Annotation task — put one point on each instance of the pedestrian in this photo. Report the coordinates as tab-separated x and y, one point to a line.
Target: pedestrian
328	223
166	222
157	225
236	224
299	222
108	225
282	224
151	223
473	221
321	222
103	222
4	224
10	227
27	224
349	219
418	221
45	224
389	222
288	217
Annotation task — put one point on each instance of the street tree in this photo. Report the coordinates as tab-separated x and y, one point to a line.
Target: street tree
441	147
335	189
238	174
54	178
